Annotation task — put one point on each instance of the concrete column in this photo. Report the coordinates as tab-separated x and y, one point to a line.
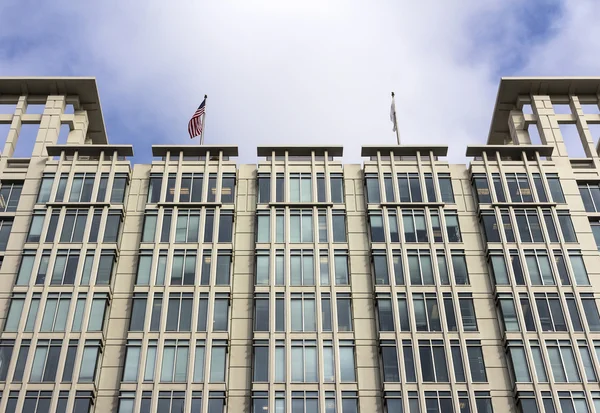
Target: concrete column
518	128
15	128
587	140
80	127
49	125
548	125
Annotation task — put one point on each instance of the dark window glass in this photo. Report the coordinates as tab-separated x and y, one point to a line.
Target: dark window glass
372	184
446	188
225	227
482	189
117	195
264	189
102	187
227	189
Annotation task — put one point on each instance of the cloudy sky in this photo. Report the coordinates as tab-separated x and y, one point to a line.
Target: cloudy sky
299	72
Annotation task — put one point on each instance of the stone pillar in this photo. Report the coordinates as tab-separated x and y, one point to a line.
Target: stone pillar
49	125
587	140
548	125
78	134
15	128
518	128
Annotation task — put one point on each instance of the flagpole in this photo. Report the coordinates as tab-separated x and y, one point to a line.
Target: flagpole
395	119
203	122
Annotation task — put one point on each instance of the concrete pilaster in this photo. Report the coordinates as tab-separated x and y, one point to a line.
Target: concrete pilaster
49	125
518	128
15	128
80	127
548	125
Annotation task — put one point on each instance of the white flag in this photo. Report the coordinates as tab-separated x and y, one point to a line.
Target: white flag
393	114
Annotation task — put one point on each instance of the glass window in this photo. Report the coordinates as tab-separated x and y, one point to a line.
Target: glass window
321	187
62	185
45	361
102	187
228	188
429	188
55	313
490	227
35	229
263	227
508	312
15	311
45	188
590	194
225	226
376	224
138	312
498	187
279	187
105	267
199	361
208	225
221	312
409	187
538	266
459	266
347	369
344	312
175	360
154	188
262	267
261	313
303	312
457	363
132	360
113	224
579	270
223	268
562	361
301	226
339	226
452	227
590	310
476	363
415	228
261	362
81	187
117	195
433	361
372	186
264	188
539	187
482	189
555	187
446	191
336	182
518	187
74	225
566	226
188	226
380	268
179	314
300	188
218	361
519	364
467	312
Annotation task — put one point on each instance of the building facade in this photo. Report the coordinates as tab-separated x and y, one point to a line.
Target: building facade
300	284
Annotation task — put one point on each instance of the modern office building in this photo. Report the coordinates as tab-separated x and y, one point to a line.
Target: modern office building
300	284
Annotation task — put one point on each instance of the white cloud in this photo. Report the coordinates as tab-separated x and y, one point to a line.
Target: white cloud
297	72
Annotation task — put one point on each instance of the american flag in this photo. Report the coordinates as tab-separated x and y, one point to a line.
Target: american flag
196	123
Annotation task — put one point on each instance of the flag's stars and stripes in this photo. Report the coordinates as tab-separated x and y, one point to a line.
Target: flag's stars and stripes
196	123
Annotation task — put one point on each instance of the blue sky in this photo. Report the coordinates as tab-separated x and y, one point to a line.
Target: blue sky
299	72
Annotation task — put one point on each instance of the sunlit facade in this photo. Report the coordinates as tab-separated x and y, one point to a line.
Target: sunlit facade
300	284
